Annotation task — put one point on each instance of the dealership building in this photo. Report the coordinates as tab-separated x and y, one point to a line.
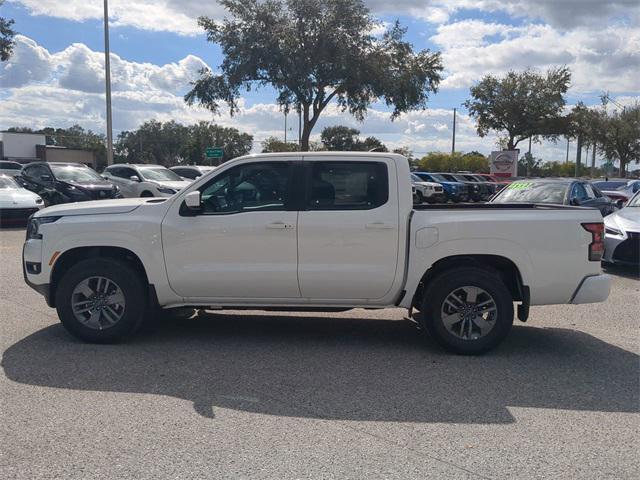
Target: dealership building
32	147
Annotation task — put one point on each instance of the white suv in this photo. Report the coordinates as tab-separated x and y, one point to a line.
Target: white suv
144	180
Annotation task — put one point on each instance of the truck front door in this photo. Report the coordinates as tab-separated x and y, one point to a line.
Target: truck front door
242	244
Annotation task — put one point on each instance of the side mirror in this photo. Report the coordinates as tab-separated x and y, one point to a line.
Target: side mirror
192	200
574	201
619	203
134	178
45	178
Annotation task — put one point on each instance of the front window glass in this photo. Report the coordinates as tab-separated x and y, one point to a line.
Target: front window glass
532	192
348	185
8	183
611	185
250	187
415	178
159	174
71	173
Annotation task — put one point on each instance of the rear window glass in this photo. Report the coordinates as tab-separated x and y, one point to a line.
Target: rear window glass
533	192
348	185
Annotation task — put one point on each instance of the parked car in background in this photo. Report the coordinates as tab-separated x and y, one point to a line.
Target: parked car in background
476	192
9	168
191	172
487	189
622	234
58	182
16	203
455	191
619	190
430	192
560	191
145	180
500	183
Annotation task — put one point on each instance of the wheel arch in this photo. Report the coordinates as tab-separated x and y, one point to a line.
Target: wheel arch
74	255
505	268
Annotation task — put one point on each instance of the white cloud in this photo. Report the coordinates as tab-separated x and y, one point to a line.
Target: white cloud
606	59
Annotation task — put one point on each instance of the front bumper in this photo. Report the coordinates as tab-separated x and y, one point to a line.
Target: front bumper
592	289
42	289
622	249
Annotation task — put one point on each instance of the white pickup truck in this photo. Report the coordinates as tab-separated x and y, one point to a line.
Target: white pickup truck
312	231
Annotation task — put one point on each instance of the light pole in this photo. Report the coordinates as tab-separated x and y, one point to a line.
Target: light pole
453	138
107	76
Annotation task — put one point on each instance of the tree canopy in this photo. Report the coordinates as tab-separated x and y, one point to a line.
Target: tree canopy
313	52
171	143
343	138
618	136
521	104
6	37
447	162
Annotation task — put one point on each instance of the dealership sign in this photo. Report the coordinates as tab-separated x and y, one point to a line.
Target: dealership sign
504	163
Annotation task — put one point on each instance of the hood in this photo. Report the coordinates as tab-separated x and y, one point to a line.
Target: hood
92	185
628	218
18	198
427	184
124	205
177	185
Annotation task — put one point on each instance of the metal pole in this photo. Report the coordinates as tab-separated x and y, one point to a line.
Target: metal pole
453	139
107	76
529	145
567	159
300	128
285	127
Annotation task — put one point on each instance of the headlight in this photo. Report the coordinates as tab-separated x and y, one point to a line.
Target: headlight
34	224
170	191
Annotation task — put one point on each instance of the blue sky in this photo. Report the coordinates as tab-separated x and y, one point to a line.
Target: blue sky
55	75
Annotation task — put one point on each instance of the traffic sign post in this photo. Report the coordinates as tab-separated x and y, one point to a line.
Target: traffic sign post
212	153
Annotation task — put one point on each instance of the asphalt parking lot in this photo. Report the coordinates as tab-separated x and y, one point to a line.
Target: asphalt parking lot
353	395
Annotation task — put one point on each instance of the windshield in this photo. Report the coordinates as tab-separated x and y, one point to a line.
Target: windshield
159	174
72	173
613	185
533	192
415	178
633	186
635	201
8	183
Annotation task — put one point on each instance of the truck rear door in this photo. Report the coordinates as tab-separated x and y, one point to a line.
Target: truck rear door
348	229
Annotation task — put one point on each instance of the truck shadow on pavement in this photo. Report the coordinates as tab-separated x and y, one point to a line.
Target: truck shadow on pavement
336	368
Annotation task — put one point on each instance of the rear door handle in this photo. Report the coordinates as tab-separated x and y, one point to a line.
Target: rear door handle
279	226
379	226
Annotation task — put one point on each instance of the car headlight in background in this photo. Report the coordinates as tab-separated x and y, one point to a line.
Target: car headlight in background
170	191
33	227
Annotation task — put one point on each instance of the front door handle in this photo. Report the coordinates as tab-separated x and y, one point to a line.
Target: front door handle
379	226
279	226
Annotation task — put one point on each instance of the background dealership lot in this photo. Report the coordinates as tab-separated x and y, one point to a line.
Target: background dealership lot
350	395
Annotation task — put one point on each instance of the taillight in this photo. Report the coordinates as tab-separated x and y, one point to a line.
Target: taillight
596	247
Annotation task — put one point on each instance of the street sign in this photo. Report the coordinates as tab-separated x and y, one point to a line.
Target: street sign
214	152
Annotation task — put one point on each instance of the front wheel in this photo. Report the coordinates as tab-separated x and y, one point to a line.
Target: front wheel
467	310
101	300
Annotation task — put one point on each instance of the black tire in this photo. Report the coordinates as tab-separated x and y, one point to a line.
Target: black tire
446	283
146	194
129	282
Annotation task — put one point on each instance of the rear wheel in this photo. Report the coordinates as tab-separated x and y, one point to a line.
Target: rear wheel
101	300
467	310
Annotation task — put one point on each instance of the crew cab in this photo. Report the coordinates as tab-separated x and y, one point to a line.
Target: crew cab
313	231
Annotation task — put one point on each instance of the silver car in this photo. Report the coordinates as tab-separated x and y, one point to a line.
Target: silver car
622	234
